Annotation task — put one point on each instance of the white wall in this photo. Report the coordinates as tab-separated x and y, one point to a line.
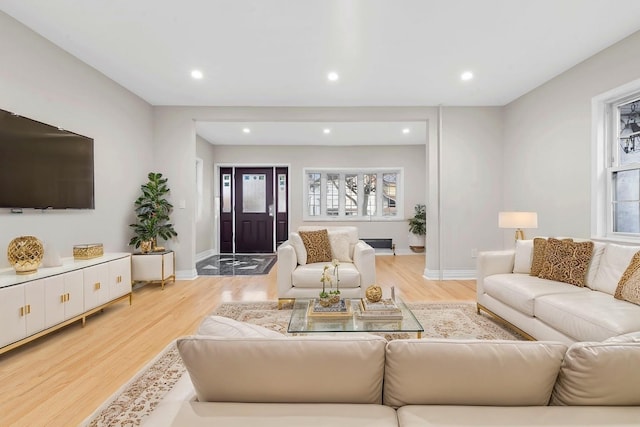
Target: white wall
471	186
547	141
40	81
205	227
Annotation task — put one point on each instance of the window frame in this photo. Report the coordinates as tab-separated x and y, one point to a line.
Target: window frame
605	155
360	172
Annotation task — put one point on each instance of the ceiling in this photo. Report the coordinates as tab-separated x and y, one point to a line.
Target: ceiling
279	52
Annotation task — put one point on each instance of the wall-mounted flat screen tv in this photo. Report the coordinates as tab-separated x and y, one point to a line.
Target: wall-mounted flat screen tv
43	166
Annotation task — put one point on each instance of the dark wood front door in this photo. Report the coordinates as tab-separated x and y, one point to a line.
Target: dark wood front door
254	210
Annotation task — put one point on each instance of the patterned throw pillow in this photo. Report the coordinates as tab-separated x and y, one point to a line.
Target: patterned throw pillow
317	245
566	261
629	285
539	245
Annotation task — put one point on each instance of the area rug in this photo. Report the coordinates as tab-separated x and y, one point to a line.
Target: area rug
236	265
139	397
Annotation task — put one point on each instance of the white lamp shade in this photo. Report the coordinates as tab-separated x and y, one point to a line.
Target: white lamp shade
517	219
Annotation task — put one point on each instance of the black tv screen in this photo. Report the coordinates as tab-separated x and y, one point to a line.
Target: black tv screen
44	167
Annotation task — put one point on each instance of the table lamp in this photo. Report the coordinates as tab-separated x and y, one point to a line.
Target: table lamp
518	220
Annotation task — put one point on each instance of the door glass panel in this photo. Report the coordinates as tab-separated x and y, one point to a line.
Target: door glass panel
226	193
389	197
282	193
254	193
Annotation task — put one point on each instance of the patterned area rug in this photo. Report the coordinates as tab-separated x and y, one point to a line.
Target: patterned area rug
236	265
138	398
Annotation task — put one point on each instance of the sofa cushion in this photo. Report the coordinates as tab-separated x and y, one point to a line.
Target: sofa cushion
207	414
352	233
298	247
220	326
629	285
523	256
520	291
470	372
308	276
317	245
630	337
603	374
614	262
596	258
588	316
340	249
529	416
566	261
306	369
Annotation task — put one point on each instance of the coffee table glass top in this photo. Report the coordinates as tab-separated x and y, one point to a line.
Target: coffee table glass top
301	323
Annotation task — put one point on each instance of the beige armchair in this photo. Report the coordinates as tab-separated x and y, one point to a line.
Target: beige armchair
299	279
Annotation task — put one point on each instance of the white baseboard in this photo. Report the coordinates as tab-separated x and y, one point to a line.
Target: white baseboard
450	274
204	255
186	274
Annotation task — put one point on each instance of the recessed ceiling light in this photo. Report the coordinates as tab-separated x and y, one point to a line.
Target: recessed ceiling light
333	76
406	130
246	130
467	75
196	74
326	130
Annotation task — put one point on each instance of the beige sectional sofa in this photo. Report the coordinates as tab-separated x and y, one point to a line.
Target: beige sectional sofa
551	310
241	376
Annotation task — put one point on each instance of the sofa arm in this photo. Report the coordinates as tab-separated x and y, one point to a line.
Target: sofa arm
287	262
492	262
364	258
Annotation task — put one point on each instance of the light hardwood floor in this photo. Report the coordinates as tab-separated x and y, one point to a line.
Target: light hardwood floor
59	380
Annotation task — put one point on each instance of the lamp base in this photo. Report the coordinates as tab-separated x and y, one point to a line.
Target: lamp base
519	234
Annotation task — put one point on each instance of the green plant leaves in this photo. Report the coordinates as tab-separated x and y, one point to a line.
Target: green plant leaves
153	212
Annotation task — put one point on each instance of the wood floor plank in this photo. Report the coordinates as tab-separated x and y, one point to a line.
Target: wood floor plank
59	379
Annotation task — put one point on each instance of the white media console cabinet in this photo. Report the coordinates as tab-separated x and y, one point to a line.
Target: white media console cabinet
35	304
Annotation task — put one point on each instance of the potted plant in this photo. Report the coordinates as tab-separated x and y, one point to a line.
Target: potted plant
152	211
418	228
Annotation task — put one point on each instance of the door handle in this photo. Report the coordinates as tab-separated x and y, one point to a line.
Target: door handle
271	209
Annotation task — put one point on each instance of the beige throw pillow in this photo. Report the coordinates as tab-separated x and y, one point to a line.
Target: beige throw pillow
566	261
537	259
317	245
339	241
298	248
523	256
629	285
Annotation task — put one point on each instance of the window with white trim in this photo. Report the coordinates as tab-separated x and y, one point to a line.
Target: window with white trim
624	166
350	194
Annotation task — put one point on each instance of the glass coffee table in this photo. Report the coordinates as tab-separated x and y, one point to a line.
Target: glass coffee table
302	323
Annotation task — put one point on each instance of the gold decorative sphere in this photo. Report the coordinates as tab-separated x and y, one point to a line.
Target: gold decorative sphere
25	254
373	293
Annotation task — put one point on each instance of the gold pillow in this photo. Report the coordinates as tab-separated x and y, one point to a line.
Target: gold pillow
539	244
629	285
317	245
566	261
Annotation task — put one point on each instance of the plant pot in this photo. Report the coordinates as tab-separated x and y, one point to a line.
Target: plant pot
145	246
416	242
334	298
325	301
